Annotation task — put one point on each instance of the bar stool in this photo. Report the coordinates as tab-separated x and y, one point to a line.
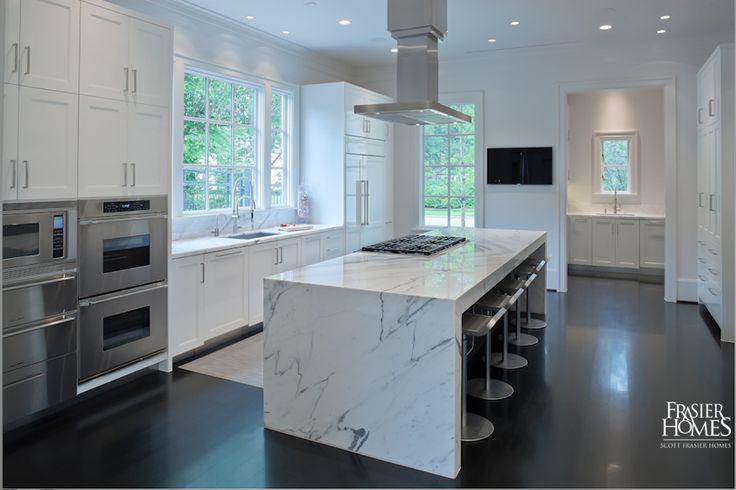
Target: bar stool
488	388
473	427
504	359
512	284
530	269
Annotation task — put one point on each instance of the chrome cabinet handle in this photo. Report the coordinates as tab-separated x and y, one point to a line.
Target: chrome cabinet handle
276	260
700	199
41	326
13	181
712	107
139	217
15	57
714	292
702	278
127	79
28	61
125	174
132	167
40	283
701	260
25	162
202	265
92	302
359	202
700	115
710	202
229	254
135	80
715	272
367	196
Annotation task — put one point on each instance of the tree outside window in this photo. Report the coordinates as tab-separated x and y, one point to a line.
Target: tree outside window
615	164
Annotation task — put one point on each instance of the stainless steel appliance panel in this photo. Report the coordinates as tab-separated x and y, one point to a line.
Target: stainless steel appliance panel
120	253
121	328
38	386
39	297
38	342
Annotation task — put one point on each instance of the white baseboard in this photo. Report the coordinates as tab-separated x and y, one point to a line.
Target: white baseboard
687	290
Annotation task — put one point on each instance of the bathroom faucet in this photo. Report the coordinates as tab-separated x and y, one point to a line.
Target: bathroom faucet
236	211
616	205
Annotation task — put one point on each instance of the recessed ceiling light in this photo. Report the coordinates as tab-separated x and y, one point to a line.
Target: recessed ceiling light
310	4
344	22
491	40
606	27
394	50
249	17
661	31
286	32
666	17
515	22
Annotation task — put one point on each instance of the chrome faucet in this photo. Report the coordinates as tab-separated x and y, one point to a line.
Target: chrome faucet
616	205
236	211
216	231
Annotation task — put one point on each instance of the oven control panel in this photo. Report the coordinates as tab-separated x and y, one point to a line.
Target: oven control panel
125	206
58	236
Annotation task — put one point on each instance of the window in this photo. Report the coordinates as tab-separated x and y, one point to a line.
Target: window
449	172
223	137
615	168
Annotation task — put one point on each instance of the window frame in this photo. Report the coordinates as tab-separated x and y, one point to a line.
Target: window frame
599	195
184	65
465	98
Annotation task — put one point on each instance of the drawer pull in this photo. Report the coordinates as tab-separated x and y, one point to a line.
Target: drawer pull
237	252
715	272
40	327
41	283
714	292
29	378
713	252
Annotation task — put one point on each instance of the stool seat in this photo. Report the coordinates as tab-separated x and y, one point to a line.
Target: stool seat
476	325
494	301
509	285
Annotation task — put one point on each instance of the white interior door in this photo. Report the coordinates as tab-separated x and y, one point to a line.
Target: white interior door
150	63
10	142
47	144
49	40
11	68
103	147
104	66
148	150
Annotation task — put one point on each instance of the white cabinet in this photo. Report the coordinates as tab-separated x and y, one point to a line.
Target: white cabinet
310	250
225	292
333	245
604	242
42	44
627	243
123	148
367	216
323	246
614	242
651	239
186	304
124	58
579	240
40	161
267	259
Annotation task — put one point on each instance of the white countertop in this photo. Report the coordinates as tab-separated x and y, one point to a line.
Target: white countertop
595	214
488	255
195	246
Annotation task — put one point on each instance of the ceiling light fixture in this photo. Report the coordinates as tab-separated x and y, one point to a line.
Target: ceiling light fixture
661	31
249	17
666	17
344	22
606	27
286	32
515	23
491	40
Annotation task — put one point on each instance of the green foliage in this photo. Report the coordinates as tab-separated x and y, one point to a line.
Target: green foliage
615	172
194	98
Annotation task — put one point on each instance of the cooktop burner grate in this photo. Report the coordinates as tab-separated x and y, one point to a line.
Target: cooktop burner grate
416	244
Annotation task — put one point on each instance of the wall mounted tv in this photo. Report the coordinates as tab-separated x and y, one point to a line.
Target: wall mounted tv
520	166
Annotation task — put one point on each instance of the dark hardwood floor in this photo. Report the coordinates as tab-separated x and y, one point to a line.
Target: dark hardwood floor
587	412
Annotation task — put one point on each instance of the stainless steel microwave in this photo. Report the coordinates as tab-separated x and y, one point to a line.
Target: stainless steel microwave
39	233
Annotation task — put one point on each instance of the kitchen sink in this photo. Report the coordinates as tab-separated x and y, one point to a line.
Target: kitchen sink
251	236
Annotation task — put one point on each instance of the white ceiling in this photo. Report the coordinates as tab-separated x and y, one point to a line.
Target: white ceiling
313	23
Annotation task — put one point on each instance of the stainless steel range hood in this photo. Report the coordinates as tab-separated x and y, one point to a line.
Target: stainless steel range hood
418	26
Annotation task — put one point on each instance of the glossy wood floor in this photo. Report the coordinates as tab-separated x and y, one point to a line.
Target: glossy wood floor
587	413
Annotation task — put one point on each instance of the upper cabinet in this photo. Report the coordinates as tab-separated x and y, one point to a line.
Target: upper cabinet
42	44
124	58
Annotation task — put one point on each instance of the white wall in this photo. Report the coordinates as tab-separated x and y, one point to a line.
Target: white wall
640	110
522	108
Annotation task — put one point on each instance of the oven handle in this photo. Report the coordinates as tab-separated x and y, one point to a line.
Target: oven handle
40	283
91	302
141	217
40	326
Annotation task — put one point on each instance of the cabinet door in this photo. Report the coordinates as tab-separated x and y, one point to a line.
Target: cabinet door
311	250
377	129
150	63
375	188
148	149
10	142
104	66
103	147
703	184
225	292
354	201
263	260
11	69
186	303
355	125
580	237
333	246
651	234
716	171
49	41
627	243
604	244
47	144
288	255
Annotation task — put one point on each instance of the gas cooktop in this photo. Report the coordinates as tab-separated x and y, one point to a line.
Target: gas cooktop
415	244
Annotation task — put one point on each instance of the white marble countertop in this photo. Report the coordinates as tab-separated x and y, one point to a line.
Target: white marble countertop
595	214
487	256
195	246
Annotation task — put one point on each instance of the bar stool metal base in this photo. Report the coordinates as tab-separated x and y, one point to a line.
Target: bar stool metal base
476	428
512	361
523	340
497	390
534	324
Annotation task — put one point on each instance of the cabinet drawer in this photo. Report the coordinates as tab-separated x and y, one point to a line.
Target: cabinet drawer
365	146
36	343
32	302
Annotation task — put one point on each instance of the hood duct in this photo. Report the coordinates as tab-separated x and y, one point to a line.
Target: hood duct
418	26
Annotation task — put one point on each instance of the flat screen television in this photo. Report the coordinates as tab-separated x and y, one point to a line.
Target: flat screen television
520	166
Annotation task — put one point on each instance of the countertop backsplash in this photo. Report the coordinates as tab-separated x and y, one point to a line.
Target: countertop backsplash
194	226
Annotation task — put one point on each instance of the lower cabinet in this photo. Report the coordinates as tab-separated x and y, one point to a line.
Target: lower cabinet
186	304
627	243
579	241
624	243
651	235
604	242
266	260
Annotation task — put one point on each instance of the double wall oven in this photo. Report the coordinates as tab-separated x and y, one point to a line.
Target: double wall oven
39	318
122	282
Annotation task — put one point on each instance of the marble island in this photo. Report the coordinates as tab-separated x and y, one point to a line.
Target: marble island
363	353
